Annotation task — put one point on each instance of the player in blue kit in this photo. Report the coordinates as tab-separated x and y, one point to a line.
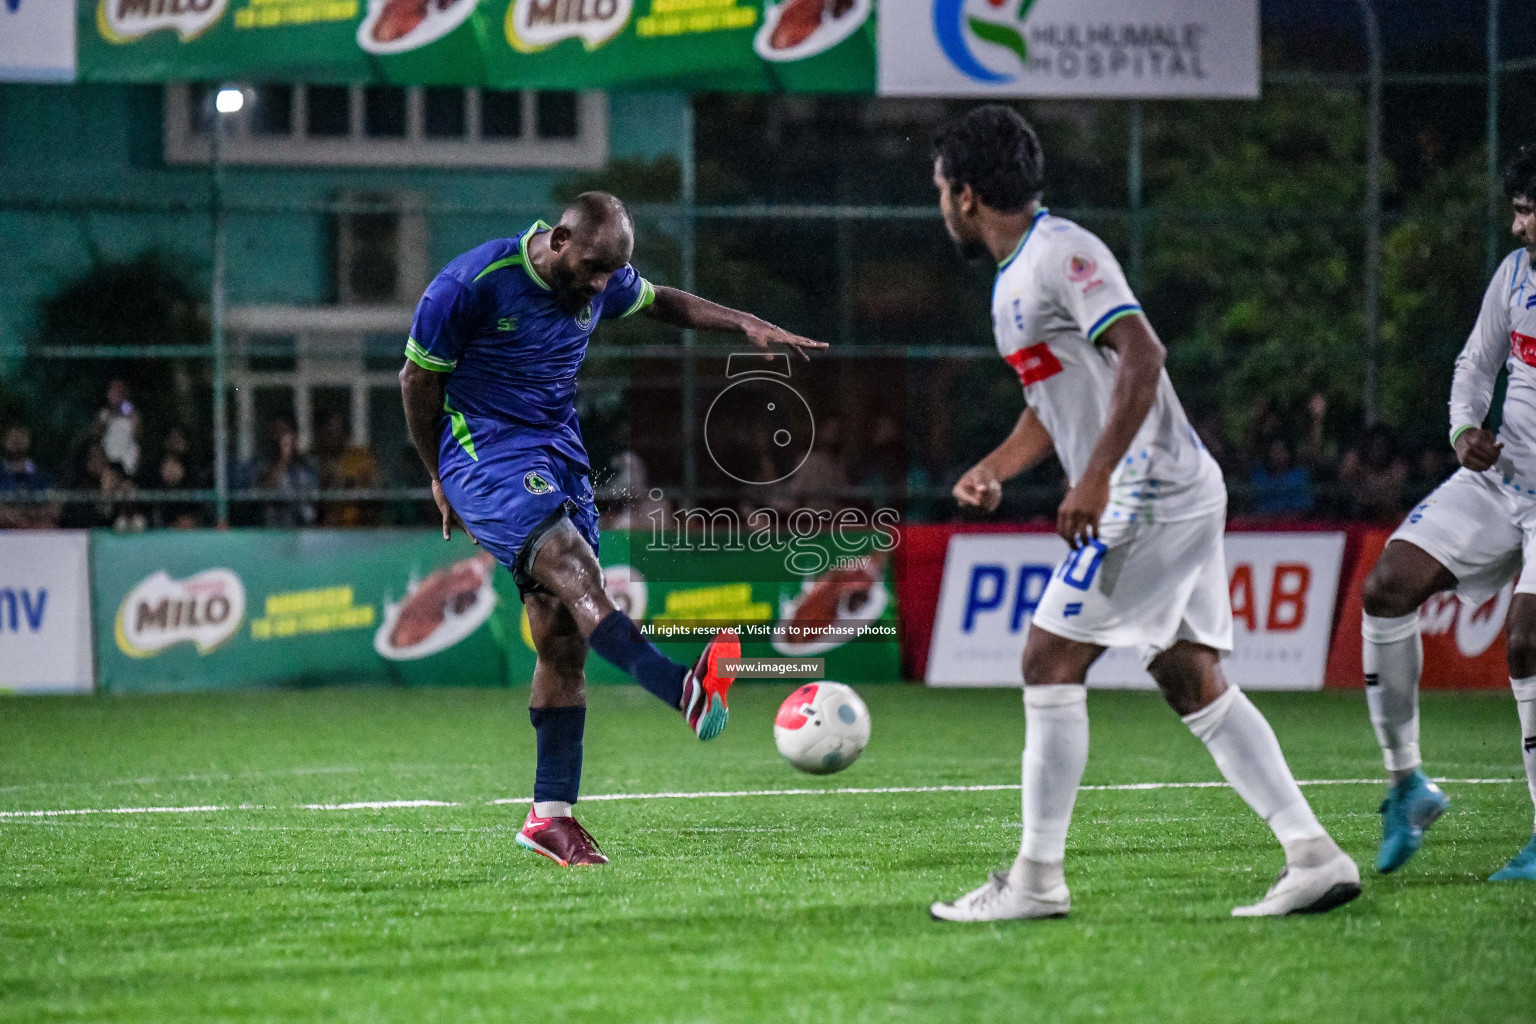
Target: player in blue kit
489	386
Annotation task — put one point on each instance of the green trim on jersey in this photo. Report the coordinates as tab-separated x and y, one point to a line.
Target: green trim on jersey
426	360
645	298
1456	434
1020	247
509	261
460	429
538	226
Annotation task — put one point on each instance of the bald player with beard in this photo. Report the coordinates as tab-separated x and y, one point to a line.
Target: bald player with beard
489	386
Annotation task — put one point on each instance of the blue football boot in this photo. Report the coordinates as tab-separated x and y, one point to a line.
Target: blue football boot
1521	867
1412	805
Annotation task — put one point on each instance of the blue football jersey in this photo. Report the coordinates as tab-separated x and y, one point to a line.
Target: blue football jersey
511	354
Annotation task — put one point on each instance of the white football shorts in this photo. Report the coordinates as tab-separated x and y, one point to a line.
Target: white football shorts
1480	530
1146	586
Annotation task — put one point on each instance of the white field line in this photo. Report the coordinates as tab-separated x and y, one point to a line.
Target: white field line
723	794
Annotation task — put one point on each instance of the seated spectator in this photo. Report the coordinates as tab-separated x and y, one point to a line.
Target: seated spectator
1372	476
626	501
883	469
821	482
20	475
282	467
171	475
345	466
1280	485
116	508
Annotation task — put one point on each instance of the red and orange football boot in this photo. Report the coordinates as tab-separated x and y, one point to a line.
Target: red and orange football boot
562	840
705	688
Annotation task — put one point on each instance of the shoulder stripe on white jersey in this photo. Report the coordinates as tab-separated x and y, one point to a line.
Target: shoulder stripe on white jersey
1103	322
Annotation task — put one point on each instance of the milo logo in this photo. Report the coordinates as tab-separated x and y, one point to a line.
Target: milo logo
205	609
534	25
123	21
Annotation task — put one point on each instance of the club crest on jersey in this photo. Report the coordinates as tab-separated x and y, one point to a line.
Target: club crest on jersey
1080	267
584	318
535	483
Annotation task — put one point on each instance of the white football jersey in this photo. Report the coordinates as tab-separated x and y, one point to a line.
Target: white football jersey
1053	298
1504	335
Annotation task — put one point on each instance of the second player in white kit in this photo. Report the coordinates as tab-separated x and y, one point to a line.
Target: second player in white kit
1473	535
1144	514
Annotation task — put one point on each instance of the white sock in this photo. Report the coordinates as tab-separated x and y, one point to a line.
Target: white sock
551	809
1246	751
1393	657
1525	703
1055	752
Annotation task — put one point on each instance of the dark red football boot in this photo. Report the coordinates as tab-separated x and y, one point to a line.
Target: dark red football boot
705	688
562	840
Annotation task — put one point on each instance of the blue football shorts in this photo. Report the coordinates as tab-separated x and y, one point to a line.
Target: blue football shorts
514	501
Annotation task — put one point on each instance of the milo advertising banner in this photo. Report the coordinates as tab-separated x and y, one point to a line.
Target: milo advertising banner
741	45
212	609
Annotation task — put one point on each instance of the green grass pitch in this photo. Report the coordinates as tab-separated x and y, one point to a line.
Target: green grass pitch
805	908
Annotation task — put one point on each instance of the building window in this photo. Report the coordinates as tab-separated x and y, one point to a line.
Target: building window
392	126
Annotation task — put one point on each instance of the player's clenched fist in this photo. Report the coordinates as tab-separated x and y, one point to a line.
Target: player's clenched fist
1477	449
979	488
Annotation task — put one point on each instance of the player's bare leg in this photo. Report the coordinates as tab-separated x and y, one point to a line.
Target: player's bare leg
1318	875
558	710
566	566
1522	679
1392	655
1055	753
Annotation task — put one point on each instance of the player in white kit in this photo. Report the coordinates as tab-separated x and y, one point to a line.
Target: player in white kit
1145	515
1472	534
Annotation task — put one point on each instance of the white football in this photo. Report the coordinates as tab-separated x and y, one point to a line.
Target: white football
822	728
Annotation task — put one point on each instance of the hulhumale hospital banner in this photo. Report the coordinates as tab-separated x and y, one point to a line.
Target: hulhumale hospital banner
1044	48
212	610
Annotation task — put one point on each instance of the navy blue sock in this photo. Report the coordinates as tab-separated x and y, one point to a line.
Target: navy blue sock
617	640
558	776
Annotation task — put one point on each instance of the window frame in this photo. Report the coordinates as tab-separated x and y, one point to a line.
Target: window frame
588	150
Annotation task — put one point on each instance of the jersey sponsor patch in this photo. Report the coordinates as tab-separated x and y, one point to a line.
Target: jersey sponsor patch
1524	347
536	484
1034	364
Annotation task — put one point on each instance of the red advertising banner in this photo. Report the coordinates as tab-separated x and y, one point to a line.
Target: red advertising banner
1463	645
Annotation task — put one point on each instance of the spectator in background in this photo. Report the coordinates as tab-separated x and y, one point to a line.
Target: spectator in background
1209	429
115	508
1281	486
883	469
20	475
171	475
117	427
345	466
282	467
822	479
1372	476
626	498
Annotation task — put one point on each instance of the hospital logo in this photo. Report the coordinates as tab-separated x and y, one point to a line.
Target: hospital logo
973	35
536	484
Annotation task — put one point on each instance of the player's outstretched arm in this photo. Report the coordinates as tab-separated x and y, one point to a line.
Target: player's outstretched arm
421	390
1136	379
1024	447
683	309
